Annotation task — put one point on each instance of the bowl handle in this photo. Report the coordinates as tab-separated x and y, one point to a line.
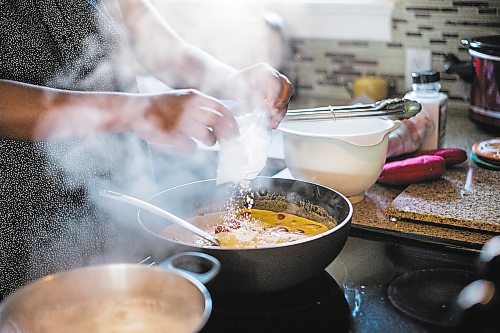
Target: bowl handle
395	126
201	266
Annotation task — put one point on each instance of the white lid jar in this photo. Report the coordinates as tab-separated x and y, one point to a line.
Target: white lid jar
426	91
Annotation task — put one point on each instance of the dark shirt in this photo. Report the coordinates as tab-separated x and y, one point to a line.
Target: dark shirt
57	43
49	220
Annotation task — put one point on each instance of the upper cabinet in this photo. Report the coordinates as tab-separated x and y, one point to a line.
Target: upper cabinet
335	19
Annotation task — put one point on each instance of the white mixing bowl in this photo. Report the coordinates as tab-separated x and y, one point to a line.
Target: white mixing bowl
346	155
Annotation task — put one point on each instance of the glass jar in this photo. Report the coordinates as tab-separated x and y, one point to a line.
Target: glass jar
426	90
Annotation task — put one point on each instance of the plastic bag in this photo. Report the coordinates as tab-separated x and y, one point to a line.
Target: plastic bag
243	157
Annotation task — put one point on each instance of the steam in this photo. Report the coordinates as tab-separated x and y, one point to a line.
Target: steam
91	160
240	33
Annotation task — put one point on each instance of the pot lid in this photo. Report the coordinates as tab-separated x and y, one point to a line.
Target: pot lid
484	44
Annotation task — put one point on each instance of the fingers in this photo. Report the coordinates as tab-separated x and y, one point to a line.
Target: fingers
275	87
276	116
279	92
283	94
198	131
218	117
208	120
183	142
178	117
175	139
207	126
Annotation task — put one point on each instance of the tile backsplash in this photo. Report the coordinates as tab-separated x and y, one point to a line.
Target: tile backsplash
322	68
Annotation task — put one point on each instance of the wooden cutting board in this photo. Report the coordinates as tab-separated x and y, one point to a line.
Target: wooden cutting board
465	197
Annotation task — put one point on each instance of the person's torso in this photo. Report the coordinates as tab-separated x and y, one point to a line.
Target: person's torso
48	218
67	44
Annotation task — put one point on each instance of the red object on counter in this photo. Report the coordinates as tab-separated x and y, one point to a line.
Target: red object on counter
452	156
413	170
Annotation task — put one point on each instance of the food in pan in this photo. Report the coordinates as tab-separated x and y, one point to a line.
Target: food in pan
255	228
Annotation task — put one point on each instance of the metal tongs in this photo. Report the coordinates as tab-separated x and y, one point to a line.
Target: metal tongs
401	108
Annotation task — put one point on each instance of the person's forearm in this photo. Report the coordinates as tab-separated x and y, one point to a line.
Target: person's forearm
199	70
29	112
165	55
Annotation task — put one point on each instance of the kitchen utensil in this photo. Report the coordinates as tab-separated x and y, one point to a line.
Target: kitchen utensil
400	108
113	298
160	212
346	155
484	75
259	270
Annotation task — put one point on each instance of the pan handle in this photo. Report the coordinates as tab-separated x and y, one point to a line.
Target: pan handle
201	266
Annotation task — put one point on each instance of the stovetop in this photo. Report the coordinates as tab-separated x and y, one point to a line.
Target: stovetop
370	287
377	284
319	303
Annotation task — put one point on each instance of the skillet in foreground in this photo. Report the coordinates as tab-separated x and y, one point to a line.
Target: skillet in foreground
269	269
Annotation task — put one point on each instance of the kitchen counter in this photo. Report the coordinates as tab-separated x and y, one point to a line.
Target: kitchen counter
377	217
458	229
395	275
361	289
371	218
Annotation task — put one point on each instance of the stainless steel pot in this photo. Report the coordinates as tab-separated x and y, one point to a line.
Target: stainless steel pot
483	72
263	269
113	298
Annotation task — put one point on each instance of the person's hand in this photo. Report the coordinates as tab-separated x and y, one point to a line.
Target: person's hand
176	117
259	85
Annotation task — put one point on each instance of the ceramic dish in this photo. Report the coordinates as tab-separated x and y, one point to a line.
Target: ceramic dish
346	155
483	163
488	150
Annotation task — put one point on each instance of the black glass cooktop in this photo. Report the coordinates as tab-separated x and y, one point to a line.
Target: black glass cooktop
311	307
371	287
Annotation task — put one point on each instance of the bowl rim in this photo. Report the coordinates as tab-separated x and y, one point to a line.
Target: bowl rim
282	127
356	139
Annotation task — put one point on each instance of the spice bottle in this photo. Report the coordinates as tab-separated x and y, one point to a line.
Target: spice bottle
426	91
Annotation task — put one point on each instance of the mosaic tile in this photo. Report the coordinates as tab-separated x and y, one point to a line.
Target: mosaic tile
324	65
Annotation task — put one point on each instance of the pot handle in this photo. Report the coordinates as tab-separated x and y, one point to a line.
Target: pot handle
453	65
465	42
201	266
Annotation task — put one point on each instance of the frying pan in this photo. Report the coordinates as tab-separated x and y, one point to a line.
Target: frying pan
114	298
259	270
